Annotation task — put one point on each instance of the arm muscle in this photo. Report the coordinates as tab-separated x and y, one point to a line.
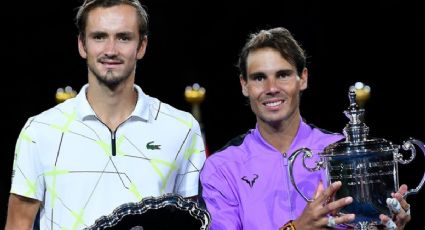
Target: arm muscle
21	212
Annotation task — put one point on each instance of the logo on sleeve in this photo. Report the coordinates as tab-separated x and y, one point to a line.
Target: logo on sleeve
250	181
151	146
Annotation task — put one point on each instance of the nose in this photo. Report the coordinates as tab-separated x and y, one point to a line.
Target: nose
271	86
110	48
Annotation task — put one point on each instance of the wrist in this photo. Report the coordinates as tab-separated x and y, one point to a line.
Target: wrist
288	226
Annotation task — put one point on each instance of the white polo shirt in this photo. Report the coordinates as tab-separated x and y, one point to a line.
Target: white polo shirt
80	170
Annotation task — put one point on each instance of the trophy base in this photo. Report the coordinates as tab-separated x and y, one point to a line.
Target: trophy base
367	215
365	225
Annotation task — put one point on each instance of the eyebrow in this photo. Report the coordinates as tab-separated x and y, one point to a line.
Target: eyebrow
127	34
285	71
120	34
97	33
257	74
280	71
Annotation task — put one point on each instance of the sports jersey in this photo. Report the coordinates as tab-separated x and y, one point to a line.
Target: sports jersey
247	186
79	169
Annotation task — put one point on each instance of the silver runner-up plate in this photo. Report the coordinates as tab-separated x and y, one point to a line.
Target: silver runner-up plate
169	211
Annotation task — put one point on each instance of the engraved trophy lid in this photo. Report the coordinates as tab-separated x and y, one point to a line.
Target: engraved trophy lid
356	135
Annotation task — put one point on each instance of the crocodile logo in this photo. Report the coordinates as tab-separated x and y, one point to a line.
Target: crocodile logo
250	182
151	146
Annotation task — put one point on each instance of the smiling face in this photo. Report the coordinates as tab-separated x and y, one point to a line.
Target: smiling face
112	44
273	87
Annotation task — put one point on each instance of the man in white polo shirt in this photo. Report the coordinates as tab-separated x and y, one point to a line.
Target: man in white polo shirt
112	143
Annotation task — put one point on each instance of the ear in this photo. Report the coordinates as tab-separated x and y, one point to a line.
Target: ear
243	85
142	48
81	47
304	79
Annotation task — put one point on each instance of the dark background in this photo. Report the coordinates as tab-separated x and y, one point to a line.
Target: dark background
380	43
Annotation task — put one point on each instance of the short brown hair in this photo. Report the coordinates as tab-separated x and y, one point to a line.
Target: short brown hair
279	39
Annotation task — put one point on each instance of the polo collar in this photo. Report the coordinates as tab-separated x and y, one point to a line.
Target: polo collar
85	111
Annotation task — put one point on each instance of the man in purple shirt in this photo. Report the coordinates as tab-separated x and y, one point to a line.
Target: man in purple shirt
246	184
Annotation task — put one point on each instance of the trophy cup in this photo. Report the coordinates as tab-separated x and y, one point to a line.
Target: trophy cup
63	94
367	168
195	95
166	212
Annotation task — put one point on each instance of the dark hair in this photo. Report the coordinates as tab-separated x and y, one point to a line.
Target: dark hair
279	39
88	5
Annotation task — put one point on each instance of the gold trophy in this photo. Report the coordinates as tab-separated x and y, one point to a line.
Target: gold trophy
195	95
63	94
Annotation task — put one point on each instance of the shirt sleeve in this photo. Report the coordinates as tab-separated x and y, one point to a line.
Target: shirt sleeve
194	158
27	175
219	198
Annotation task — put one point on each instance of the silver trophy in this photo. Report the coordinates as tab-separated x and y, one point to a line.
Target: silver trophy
367	168
166	212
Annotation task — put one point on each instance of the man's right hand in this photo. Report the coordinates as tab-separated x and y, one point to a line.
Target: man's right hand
320	213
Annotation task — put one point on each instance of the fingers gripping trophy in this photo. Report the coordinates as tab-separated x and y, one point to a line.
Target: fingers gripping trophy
367	168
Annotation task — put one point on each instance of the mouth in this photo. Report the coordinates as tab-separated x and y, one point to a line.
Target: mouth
110	63
273	104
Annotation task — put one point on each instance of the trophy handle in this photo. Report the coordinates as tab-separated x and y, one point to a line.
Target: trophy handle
408	145
307	154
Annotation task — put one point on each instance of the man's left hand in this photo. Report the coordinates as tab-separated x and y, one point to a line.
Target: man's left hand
401	211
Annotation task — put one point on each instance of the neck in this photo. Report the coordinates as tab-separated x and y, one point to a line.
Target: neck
281	135
112	107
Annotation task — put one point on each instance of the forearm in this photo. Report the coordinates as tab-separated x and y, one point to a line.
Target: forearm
21	212
17	225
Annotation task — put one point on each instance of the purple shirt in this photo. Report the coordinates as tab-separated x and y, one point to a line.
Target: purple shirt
247	185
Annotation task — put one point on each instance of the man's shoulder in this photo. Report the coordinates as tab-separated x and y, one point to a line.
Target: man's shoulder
163	107
227	161
57	114
324	135
66	107
232	150
234	142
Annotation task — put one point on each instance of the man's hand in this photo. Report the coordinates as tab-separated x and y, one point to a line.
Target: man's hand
400	208
318	214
